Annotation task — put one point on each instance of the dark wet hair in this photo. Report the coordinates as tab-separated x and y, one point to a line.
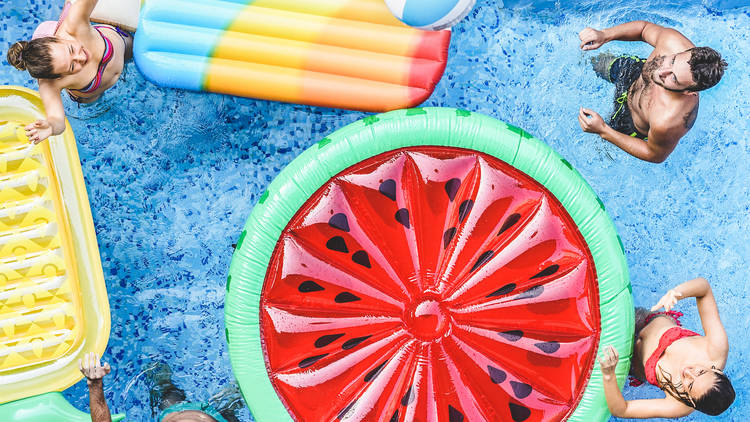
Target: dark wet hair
33	56
706	66
718	398
713	402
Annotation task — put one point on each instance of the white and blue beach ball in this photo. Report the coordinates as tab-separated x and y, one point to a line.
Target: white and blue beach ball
430	14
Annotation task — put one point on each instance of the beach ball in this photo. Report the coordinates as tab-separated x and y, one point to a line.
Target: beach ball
432	15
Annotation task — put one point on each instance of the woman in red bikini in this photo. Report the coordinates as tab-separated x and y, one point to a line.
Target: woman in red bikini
685	365
70	54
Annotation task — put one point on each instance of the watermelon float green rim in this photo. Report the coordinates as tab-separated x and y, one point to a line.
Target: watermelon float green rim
375	135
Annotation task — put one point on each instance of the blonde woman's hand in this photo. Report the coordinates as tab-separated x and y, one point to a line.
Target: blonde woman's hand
38	131
667	301
92	369
608	361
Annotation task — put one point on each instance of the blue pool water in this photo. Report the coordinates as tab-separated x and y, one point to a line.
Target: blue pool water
172	176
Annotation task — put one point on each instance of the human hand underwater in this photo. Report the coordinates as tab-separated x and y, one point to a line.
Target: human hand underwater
92	369
591	121
608	361
38	131
591	39
668	301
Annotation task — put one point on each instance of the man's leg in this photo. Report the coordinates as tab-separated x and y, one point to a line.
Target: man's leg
602	64
227	401
163	393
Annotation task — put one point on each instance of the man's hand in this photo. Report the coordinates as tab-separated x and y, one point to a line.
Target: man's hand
591	39
608	361
38	131
591	121
92	369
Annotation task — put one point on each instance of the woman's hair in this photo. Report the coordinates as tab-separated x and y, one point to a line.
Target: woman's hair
33	56
713	402
706	66
718	398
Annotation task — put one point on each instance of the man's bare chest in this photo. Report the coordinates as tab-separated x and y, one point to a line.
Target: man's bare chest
640	97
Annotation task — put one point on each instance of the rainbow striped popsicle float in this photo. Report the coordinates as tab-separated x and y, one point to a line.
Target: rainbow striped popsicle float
350	54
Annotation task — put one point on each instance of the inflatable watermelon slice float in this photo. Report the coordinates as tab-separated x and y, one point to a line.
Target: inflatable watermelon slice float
433	281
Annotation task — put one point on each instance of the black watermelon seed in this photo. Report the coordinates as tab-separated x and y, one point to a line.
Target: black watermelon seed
503	290
483	258
520	389
496	375
464	209
394	418
339	221
327	339
388	188
350	344
509	222
548	347
374	373
448	236
451	188
512	335
346	410
532	292
547	271
361	258
454	415
309	361
338	244
345	297
408	397
518	412
402	216
309	286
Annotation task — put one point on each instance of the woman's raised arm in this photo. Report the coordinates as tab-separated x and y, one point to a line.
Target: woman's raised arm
79	16
700	289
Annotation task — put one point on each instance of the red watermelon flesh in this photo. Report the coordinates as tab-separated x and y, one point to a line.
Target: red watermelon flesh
430	284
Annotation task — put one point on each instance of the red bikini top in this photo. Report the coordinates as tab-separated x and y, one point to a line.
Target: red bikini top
670	336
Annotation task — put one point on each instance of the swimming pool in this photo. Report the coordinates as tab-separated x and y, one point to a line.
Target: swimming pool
173	175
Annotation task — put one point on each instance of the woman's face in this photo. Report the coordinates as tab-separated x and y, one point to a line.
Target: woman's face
68	56
697	379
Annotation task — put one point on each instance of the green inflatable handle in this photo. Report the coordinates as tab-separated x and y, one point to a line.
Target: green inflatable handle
44	408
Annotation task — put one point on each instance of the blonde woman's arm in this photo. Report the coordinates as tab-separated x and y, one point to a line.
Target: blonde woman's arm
79	16
54	124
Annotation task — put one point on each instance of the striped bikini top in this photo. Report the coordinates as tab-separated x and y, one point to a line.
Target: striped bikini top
109	52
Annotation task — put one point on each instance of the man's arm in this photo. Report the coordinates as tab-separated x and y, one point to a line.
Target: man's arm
655	150
656	35
94	372
660	142
97	403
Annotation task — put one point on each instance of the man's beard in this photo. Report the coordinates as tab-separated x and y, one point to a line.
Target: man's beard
650	67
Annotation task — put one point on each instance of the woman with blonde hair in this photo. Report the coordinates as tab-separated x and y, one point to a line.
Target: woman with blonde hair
74	55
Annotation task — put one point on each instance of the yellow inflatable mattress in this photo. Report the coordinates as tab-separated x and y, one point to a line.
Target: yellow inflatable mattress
53	300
